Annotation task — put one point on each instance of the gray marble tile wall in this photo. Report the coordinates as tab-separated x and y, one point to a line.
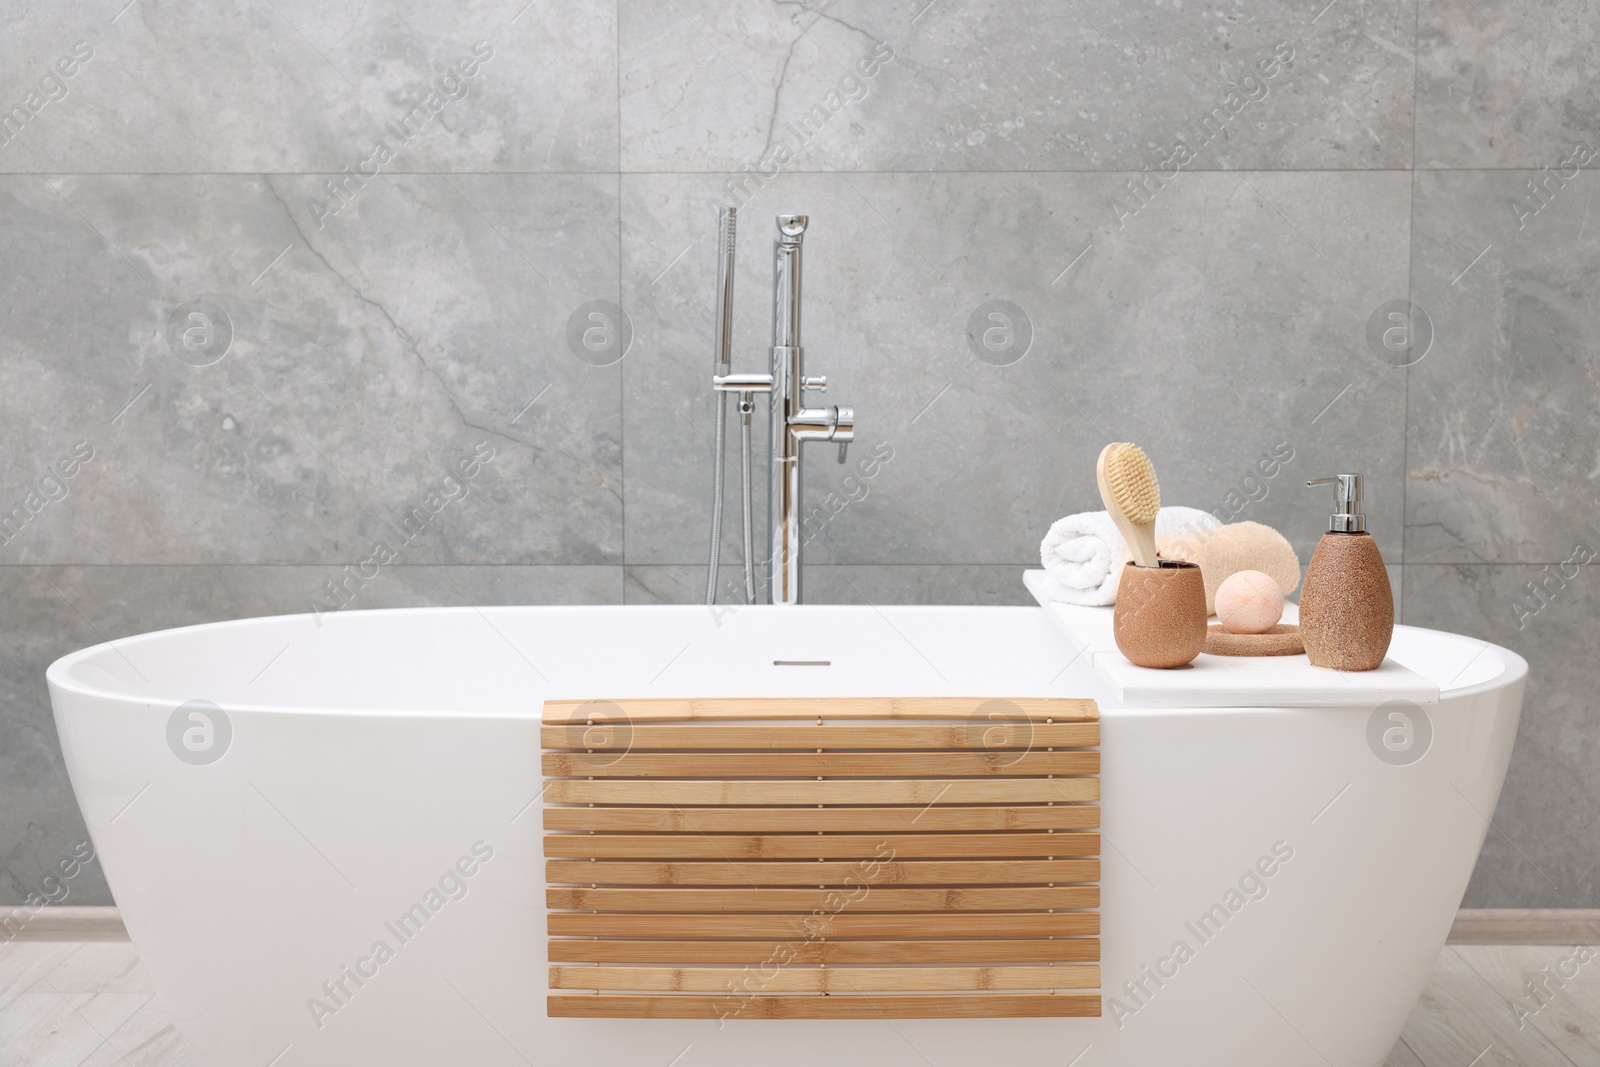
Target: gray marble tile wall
268	268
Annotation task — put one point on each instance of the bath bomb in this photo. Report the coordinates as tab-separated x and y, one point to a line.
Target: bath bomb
1249	602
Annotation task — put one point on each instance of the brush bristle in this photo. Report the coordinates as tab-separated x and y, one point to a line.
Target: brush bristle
1132	481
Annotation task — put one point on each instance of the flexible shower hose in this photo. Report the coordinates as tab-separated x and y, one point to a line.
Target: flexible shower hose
718	461
749	548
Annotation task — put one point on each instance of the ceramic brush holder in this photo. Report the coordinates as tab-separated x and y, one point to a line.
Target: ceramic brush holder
1160	617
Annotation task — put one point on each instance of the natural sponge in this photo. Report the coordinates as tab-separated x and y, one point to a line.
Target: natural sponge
1240	546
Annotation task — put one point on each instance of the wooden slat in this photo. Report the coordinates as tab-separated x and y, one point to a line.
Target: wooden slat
829	764
1037	709
979	735
911	818
793	979
781	872
878	847
941	1006
847	925
862	897
801	951
863	791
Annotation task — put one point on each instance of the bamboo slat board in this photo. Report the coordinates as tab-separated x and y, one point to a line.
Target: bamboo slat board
822	858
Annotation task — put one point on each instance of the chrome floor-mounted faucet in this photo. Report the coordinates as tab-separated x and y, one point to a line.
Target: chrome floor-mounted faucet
792	422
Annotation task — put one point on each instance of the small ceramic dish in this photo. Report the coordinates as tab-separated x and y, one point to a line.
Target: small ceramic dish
1282	640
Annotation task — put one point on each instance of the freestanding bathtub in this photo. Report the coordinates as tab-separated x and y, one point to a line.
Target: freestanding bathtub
268	795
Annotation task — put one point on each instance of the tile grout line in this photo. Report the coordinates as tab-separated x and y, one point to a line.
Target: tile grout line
726	172
622	370
1027	564
1411	243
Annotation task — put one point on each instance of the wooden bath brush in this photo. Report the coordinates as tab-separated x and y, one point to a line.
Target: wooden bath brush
1160	617
1132	497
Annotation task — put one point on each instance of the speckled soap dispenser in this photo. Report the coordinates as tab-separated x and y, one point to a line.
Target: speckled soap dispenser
1346	605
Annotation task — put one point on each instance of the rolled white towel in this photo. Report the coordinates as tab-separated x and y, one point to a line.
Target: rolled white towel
1083	554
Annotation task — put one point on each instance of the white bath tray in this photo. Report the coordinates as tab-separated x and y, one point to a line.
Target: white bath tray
1228	681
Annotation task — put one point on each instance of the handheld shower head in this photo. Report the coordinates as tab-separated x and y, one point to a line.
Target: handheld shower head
727	225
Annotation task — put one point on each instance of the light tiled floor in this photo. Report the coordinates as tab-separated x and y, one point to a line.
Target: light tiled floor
83	1004
91	1004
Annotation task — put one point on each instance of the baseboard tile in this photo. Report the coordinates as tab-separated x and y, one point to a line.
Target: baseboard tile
1526	926
61	924
1473	926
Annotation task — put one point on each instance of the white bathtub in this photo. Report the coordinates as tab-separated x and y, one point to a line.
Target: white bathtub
373	754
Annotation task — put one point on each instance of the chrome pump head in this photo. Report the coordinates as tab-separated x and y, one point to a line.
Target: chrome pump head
1347	518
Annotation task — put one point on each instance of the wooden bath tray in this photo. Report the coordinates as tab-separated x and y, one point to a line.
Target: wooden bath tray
822	859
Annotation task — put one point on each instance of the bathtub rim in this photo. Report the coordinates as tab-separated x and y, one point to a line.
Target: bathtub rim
59	677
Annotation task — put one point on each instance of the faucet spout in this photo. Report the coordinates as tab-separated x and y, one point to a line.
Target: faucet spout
823	424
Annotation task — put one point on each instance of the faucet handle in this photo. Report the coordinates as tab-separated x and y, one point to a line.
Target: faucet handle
844	446
819	382
842	426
